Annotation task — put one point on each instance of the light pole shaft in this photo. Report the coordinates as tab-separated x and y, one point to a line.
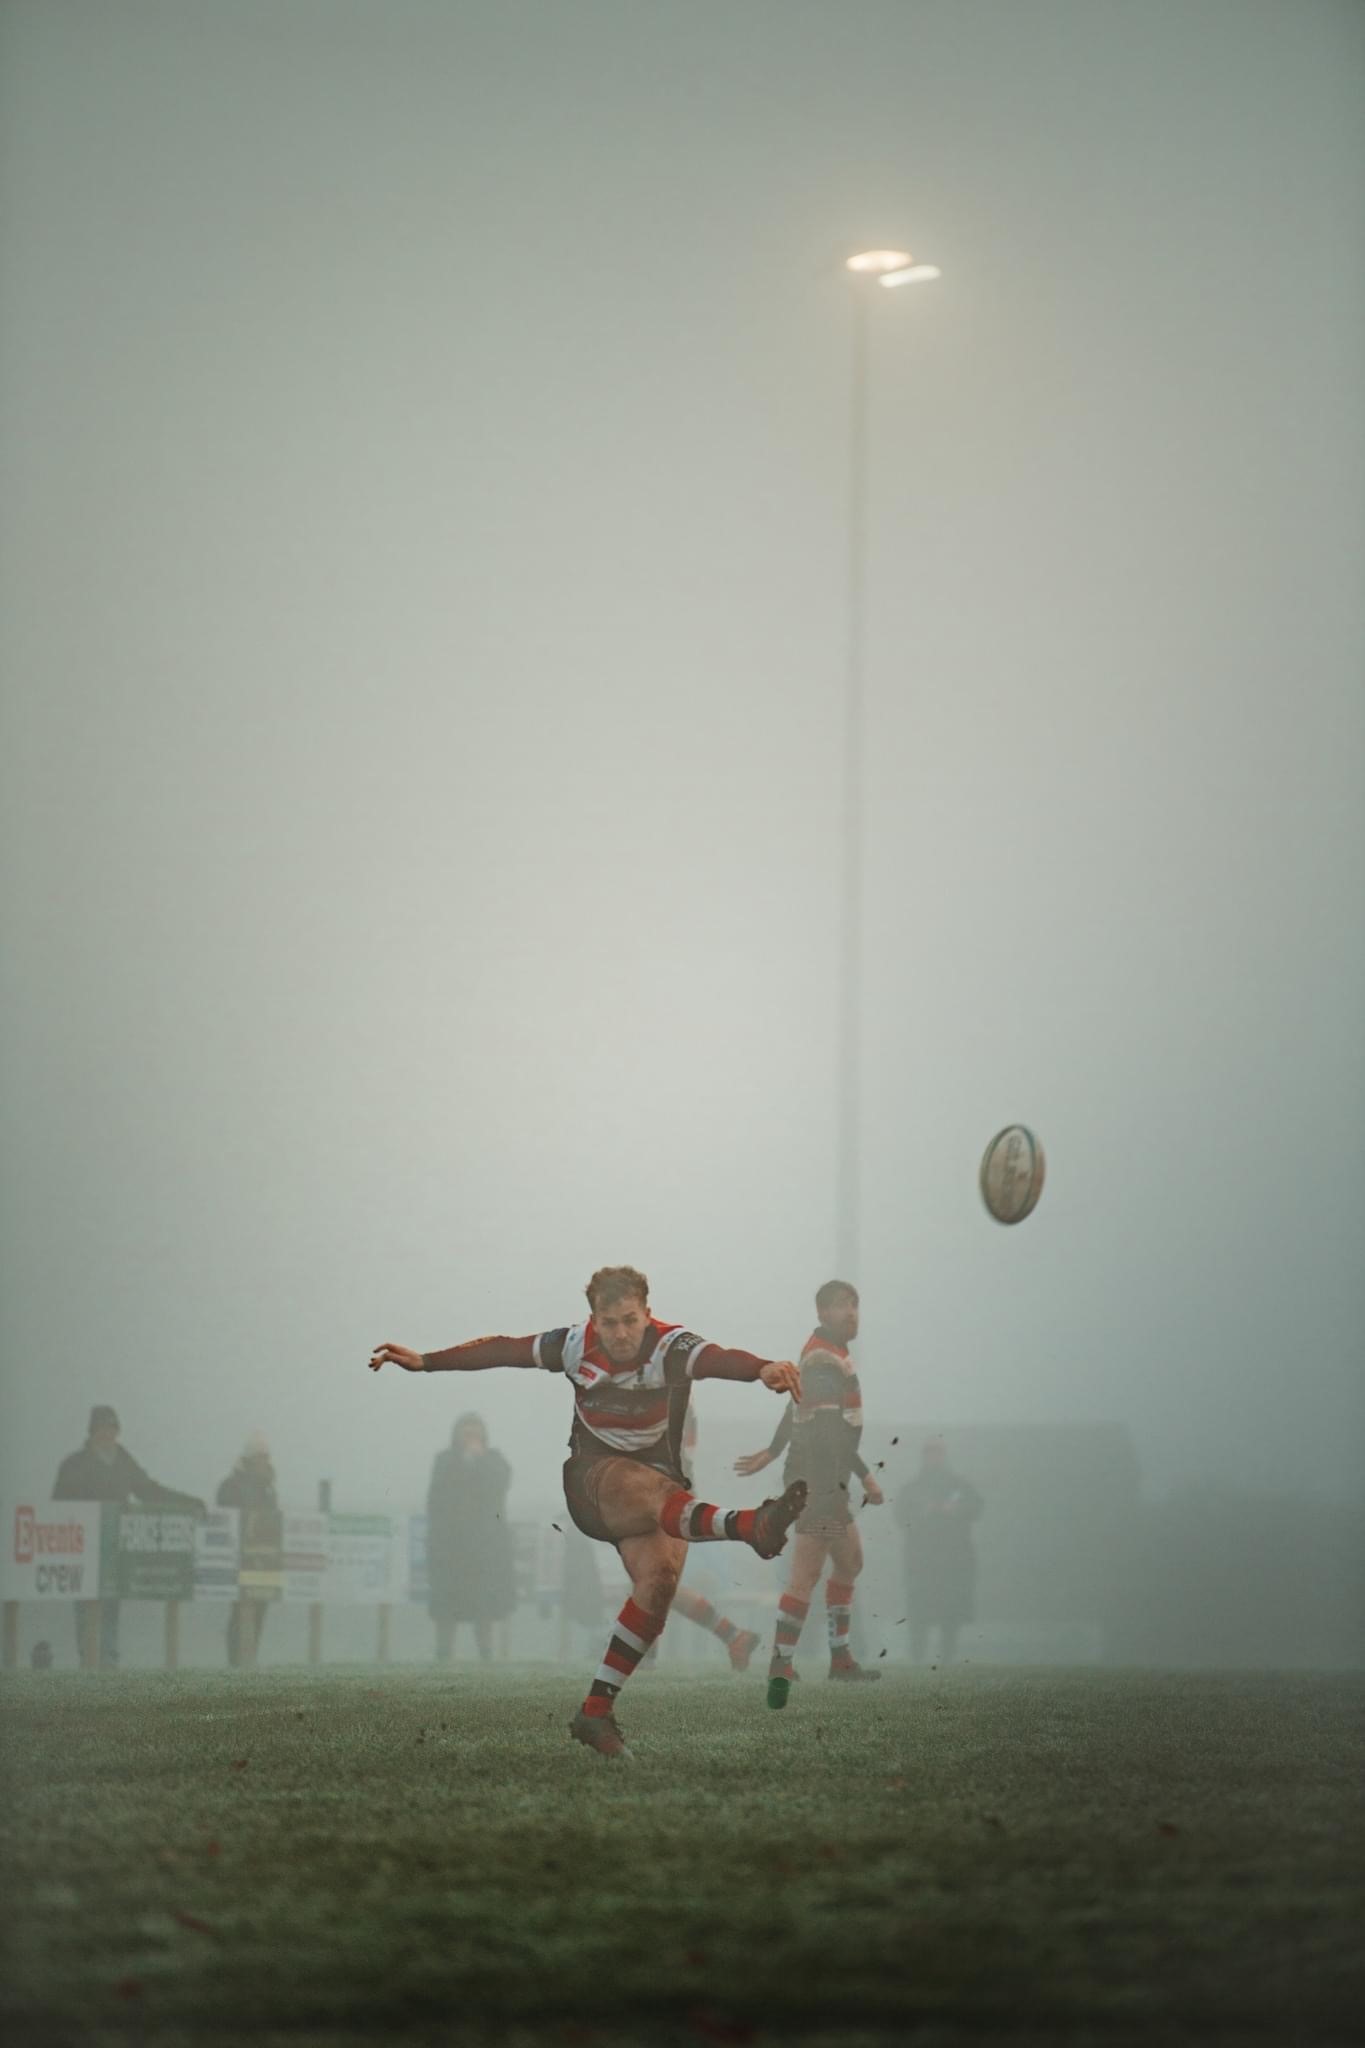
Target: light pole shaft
848	1226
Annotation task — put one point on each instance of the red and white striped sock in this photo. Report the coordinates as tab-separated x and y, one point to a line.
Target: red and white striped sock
839	1615
791	1616
696	1521
631	1636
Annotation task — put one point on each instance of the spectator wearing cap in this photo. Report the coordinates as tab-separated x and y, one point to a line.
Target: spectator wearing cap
102	1470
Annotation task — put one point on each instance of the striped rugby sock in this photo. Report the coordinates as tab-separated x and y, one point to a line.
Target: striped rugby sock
839	1615
631	1636
696	1521
791	1616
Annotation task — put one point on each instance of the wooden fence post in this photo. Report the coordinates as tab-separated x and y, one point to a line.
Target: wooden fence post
315	1632
90	1635
172	1635
11	1652
381	1650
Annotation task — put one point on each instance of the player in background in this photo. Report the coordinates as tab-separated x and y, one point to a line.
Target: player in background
632	1378
822	1429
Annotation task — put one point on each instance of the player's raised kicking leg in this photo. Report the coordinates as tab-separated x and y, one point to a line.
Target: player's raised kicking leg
651	1520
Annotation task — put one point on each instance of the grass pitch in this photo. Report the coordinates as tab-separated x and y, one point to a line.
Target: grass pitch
419	1856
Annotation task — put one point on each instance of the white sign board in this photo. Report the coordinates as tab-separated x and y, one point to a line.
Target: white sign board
305	1557
360	1561
52	1551
217	1555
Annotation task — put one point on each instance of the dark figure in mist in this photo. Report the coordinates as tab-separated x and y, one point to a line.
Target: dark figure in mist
250	1488
936	1510
102	1470
584	1595
469	1544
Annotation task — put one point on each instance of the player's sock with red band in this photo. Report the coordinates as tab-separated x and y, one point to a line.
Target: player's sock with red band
791	1616
631	1636
839	1615
696	1521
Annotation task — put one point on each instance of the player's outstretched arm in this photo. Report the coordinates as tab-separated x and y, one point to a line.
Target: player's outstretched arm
476	1356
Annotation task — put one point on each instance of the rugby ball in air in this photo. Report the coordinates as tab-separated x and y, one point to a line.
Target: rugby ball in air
1012	1171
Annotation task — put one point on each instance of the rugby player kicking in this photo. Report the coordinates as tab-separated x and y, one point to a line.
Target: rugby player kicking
623	1480
822	1429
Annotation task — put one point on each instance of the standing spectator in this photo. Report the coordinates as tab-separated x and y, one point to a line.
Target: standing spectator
583	1596
102	1470
469	1545
250	1488
936	1510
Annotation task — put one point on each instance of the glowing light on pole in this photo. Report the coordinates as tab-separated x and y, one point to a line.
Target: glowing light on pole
892	268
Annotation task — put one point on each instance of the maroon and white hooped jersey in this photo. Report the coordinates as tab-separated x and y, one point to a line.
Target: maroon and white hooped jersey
636	1410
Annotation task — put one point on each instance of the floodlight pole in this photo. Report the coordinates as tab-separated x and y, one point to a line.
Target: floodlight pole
848	1225
872	269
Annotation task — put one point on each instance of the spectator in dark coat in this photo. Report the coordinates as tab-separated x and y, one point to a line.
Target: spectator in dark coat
102	1470
469	1543
936	1510
250	1488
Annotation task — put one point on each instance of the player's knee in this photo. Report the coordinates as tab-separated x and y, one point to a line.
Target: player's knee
658	1587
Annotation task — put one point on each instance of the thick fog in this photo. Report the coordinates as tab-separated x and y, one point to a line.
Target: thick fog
423	611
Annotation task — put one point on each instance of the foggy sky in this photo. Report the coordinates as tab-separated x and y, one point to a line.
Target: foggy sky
422	614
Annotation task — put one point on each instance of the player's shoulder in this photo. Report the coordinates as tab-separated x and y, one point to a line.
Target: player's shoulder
560	1350
675	1339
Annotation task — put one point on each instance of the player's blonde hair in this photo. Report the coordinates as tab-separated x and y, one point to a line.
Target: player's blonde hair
616	1283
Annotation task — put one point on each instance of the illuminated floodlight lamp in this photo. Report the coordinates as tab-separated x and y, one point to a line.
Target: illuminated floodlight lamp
910	273
875	262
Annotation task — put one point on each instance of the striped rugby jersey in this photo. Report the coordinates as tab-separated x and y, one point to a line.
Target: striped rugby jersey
830	1388
637	1410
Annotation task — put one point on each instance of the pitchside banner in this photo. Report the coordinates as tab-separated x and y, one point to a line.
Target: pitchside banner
52	1551
217	1555
360	1561
305	1557
147	1553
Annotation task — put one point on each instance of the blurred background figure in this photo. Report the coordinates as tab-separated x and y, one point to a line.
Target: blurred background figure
469	1544
585	1597
250	1488
102	1470
936	1510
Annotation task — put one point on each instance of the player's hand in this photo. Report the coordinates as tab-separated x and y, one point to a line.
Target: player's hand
754	1462
873	1497
396	1354
781	1377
